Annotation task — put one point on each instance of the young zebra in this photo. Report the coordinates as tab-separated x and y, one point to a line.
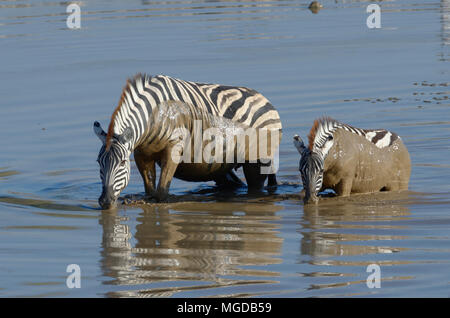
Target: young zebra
351	160
156	113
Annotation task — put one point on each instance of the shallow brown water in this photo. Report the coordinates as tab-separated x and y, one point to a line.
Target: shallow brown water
209	242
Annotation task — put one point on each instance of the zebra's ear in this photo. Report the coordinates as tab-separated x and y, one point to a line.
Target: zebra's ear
299	144
99	132
126	136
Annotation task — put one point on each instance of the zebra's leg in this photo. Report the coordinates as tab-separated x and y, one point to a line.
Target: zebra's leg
272	180
230	179
392	186
168	168
255	179
148	173
344	187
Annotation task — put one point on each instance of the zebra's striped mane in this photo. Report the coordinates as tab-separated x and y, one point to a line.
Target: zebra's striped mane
326	126
320	129
312	134
125	90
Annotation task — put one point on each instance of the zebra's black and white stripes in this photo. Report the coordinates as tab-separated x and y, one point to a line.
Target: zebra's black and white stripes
151	112
143	94
114	164
346	159
310	165
324	129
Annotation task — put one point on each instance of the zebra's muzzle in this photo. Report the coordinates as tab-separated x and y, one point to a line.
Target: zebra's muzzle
107	199
310	198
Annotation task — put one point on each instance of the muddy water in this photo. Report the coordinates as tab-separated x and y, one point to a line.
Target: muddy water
55	82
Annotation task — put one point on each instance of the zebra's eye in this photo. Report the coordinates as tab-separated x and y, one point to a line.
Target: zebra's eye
330	138
123	163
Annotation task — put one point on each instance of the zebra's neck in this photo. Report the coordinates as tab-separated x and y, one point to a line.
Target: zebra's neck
325	127
139	104
133	110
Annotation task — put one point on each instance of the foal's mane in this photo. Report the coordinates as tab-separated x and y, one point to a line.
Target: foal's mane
317	123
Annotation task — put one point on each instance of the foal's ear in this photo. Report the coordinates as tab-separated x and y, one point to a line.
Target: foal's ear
99	132
299	144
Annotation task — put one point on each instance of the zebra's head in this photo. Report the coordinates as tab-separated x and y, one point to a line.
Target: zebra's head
114	161
312	166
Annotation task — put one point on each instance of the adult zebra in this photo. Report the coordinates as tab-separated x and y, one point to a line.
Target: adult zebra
157	114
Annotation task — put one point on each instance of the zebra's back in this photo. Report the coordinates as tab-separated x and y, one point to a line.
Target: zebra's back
239	104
